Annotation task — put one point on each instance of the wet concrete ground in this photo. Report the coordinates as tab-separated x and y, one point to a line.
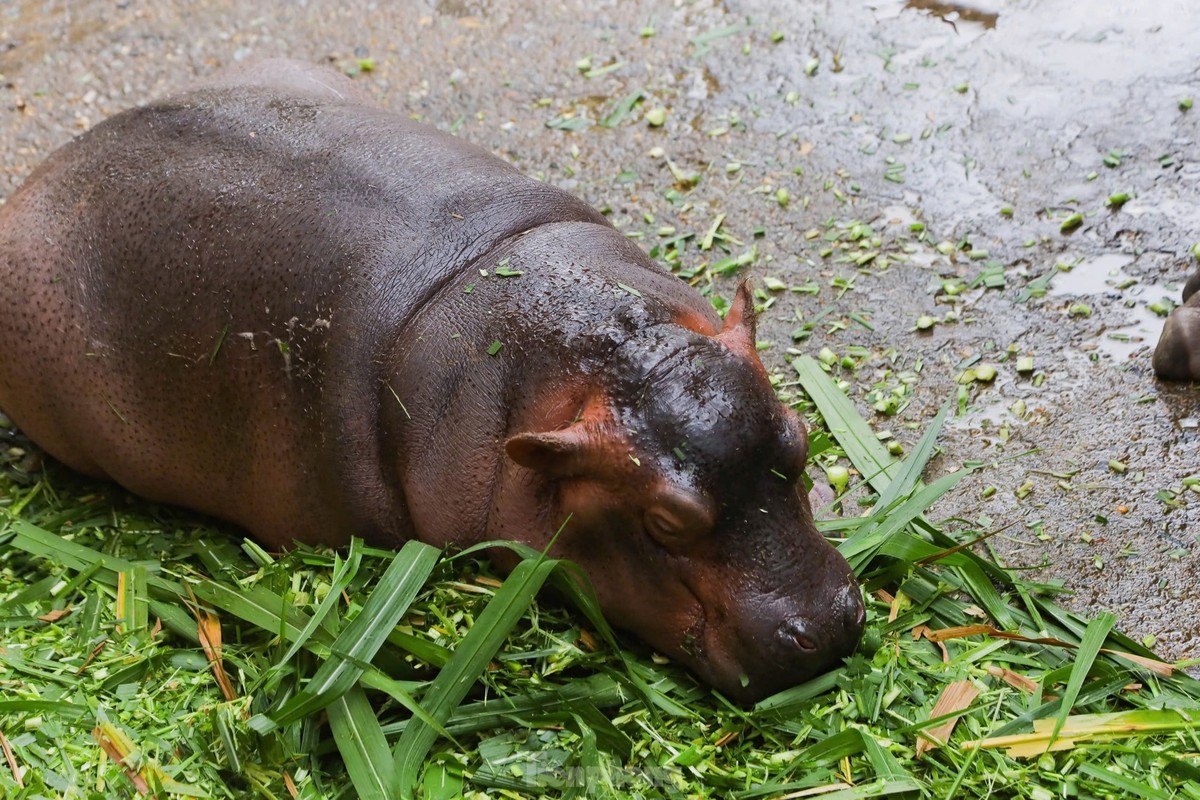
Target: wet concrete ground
989	125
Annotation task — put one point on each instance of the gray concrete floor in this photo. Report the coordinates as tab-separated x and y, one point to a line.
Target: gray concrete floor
882	112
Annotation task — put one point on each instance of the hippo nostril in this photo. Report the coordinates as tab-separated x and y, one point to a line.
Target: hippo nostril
796	633
850	605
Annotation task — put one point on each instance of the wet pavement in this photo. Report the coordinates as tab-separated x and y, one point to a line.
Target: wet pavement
880	162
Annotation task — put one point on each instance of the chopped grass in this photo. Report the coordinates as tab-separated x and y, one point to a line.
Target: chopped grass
143	651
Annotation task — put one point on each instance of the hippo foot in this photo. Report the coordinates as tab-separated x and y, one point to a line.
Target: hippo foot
1177	357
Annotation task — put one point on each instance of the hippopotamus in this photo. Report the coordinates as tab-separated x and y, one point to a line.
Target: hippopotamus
1177	356
271	301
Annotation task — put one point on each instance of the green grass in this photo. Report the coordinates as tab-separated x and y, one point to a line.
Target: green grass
377	674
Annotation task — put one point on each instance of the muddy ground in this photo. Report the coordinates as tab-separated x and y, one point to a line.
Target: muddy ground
989	125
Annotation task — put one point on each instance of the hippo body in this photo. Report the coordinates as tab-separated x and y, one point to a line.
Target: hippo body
1177	356
268	300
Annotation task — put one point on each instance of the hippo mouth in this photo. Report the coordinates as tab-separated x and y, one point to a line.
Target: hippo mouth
747	666
705	654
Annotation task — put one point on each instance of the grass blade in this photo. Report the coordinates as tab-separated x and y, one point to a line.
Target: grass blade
861	546
1085	656
1127	785
105	569
622	109
343	573
361	639
892	479
908	477
601	691
262	608
848	427
577	587
1084	728
40	542
268	611
362	745
469	660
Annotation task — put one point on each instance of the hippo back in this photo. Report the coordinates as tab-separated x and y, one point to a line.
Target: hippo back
306	226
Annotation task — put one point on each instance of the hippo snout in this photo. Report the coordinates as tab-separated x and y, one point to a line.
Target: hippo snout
791	640
813	644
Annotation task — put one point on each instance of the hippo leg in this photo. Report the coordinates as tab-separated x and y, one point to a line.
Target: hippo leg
1192	285
1177	356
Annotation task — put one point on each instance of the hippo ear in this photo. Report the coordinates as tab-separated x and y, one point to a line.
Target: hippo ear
738	331
560	454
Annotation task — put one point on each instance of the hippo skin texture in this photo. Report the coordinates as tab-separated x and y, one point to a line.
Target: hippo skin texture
264	299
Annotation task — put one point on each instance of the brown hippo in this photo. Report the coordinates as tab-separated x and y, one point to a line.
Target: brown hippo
270	301
1177	357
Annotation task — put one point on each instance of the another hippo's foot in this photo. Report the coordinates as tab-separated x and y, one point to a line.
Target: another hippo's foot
1177	357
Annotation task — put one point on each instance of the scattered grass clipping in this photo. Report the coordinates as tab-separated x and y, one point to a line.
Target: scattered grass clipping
144	651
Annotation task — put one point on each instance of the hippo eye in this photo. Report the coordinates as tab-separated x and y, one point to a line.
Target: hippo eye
677	519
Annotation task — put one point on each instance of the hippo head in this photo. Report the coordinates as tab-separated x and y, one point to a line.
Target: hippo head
682	476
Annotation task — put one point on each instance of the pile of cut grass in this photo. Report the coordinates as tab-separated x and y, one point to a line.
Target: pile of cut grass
142	651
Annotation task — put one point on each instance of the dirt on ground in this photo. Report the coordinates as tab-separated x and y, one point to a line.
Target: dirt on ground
901	178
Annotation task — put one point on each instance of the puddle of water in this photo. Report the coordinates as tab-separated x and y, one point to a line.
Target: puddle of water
896	215
1122	343
1146	38
1092	276
995	413
1053	59
1105	275
1177	212
955	13
925	258
961	23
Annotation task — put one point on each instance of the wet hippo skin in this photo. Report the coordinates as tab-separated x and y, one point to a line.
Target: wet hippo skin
270	301
1177	356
